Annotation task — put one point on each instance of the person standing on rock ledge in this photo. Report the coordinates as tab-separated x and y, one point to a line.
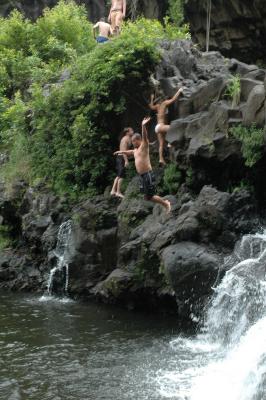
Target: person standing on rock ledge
141	154
117	14
161	128
122	162
104	31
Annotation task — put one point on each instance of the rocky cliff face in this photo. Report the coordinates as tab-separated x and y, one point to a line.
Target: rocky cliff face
96	8
238	27
201	121
129	252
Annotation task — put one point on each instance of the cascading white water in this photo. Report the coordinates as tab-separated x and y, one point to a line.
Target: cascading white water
61	252
227	360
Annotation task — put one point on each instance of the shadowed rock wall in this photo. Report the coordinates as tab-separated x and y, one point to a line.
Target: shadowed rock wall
238	27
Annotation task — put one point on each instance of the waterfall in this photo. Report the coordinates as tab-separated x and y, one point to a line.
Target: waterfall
227	360
61	253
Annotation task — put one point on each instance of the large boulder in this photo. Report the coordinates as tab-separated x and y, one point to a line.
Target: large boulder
191	270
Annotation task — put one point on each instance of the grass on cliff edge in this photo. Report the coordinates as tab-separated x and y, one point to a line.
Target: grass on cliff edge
64	131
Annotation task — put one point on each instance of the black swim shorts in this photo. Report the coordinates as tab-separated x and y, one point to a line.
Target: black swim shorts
120	167
148	184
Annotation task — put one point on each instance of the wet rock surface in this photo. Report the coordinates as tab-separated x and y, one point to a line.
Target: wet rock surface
162	263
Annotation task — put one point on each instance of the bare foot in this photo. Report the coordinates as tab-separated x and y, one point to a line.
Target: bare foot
120	195
162	163
112	193
168	206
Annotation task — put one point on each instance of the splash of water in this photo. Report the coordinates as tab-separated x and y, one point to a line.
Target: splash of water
227	360
61	252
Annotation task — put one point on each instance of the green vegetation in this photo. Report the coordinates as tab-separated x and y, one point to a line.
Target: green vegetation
176	11
234	90
244	184
252	140
61	96
5	239
172	178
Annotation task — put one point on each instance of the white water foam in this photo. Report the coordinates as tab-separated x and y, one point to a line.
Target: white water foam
227	361
61	252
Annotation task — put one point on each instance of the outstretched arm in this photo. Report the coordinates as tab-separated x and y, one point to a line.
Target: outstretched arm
152	105
145	138
124	152
174	98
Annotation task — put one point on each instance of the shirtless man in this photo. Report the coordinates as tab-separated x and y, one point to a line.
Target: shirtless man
117	14
104	31
144	168
122	162
162	128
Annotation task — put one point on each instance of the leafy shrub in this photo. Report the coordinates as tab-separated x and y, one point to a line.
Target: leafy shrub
252	141
62	32
234	90
172	178
27	49
62	131
176	11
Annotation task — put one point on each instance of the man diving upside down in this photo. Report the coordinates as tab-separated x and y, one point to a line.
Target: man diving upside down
143	166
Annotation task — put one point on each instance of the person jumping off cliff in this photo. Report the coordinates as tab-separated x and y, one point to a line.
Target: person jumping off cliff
122	162
104	31
162	128
117	14
143	166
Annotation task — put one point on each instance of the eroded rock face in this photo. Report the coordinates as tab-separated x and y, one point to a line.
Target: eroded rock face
154	261
201	120
238	27
129	252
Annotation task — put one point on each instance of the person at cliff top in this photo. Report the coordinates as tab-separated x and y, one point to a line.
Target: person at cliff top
162	128
104	31
117	14
122	162
143	166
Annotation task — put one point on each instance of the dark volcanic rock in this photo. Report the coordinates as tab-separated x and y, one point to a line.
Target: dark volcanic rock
238	27
191	269
201	120
129	252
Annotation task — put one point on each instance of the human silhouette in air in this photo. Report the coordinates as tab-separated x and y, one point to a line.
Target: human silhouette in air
143	166
162	128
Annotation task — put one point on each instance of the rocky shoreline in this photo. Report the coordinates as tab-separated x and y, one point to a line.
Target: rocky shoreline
127	254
